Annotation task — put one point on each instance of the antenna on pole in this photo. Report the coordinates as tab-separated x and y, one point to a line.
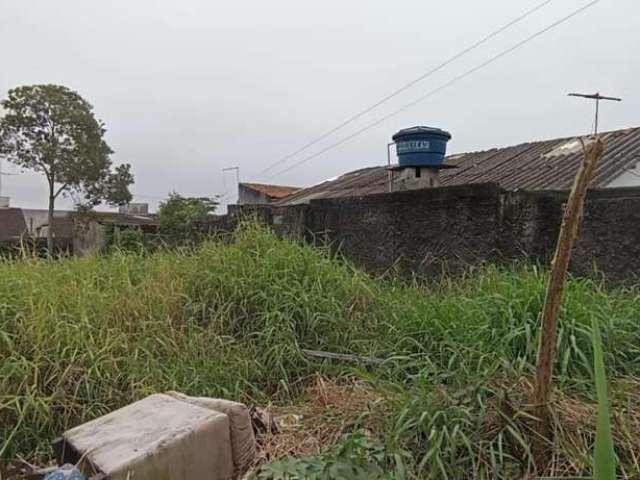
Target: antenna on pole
597	97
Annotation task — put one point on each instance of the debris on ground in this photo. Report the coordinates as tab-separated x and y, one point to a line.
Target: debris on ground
329	410
243	443
65	472
169	436
21	469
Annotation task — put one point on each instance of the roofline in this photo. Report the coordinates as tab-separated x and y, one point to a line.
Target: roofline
557	139
269	185
347	183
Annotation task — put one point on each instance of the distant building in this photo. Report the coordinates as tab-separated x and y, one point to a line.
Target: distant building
540	165
78	233
12	225
258	193
134	209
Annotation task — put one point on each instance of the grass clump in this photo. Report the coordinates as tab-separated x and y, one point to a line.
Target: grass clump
80	337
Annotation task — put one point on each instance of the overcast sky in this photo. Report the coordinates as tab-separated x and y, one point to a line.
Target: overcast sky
188	87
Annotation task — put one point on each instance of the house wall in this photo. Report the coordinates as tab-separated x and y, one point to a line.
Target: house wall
630	178
249	196
36	220
415	178
448	229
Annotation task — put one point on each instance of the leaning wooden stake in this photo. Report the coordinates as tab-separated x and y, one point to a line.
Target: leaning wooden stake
553	298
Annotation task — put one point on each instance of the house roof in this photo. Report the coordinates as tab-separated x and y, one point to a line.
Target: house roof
12	224
542	165
273	191
125	219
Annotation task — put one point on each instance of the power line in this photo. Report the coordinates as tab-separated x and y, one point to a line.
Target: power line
441	87
407	85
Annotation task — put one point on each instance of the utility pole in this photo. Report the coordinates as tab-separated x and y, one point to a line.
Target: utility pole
229	169
389	172
597	97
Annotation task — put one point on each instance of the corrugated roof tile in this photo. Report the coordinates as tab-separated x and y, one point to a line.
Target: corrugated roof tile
527	166
273	191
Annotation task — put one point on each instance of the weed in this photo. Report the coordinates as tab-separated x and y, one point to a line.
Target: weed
82	336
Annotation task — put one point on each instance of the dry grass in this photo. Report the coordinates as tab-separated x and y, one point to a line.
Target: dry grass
328	410
574	425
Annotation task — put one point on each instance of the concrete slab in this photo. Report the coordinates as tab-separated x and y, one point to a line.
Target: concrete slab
243	442
160	438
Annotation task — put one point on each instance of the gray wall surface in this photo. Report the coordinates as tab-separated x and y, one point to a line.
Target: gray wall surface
448	229
249	196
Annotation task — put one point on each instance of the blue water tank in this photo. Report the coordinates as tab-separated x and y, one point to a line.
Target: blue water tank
421	146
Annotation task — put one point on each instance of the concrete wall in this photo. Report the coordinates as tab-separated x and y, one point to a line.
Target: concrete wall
448	229
90	237
609	239
424	231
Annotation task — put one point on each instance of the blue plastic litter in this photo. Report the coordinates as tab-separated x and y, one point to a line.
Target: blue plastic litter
65	472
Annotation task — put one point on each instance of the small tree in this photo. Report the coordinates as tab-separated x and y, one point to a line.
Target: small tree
52	130
185	218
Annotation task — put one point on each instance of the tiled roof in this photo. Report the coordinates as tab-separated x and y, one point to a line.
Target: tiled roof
273	191
543	165
126	219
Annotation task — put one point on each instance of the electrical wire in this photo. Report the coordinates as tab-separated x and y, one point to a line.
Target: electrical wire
406	86
440	88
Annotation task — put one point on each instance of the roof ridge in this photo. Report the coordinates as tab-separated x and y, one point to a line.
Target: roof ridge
268	184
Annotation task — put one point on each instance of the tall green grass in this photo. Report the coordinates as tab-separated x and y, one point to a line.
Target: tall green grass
604	466
80	337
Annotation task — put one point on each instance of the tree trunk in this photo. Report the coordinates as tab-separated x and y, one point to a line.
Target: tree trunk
50	240
549	316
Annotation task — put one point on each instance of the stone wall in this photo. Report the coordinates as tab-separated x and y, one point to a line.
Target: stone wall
424	231
609	241
431	231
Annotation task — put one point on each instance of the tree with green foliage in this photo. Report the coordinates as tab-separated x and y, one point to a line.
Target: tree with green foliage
52	130
185	218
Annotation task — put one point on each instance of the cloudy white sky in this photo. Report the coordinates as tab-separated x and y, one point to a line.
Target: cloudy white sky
188	87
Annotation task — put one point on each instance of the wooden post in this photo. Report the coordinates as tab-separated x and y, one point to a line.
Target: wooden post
549	316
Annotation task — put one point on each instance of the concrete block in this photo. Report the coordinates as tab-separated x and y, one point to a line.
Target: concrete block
157	438
243	443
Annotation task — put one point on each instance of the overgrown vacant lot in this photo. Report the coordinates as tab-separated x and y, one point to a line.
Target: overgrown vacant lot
80	337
